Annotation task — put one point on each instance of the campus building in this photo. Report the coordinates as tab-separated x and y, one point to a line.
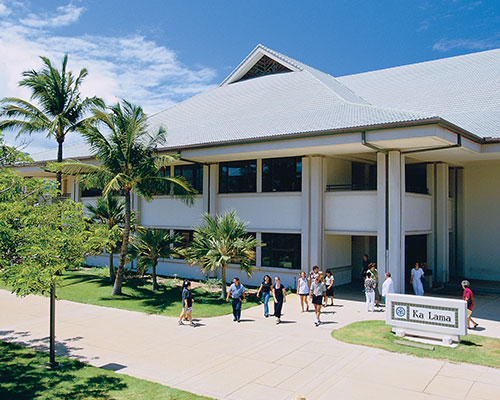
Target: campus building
402	164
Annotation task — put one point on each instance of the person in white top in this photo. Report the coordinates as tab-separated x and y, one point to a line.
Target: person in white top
387	286
329	279
303	290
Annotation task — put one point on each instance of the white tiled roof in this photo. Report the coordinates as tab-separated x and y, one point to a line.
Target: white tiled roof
464	90
273	105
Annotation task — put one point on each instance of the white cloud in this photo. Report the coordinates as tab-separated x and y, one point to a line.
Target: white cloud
133	67
4	10
64	15
469	44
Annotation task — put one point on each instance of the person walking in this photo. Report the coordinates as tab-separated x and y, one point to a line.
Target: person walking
303	290
364	265
417	274
237	293
187	304
329	279
279	296
265	291
315	272
468	296
370	286
317	291
373	270
387	286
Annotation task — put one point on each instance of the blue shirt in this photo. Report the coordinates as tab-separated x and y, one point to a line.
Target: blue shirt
236	291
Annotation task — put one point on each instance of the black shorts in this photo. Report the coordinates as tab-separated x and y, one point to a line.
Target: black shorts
329	292
318	300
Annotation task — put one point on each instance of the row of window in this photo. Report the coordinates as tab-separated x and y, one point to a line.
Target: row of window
278	175
281	250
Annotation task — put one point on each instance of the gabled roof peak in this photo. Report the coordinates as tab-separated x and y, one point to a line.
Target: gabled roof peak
257	54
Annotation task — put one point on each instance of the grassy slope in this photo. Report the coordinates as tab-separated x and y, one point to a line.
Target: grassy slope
473	349
22	377
91	286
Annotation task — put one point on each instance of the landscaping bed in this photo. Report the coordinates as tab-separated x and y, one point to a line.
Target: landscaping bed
472	349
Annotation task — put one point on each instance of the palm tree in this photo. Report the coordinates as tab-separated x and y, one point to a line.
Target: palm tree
220	241
108	210
149	246
128	161
60	108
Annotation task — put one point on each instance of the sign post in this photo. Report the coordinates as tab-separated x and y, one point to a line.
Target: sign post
427	317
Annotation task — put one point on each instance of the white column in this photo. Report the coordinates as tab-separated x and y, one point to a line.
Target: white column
396	186
258	172
317	194
206	188
381	215
305	266
214	188
136	206
258	250
442	223
75	190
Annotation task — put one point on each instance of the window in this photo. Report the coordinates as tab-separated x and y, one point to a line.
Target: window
282	174
186	237
193	173
238	177
364	176
159	187
281	250
91	192
416	178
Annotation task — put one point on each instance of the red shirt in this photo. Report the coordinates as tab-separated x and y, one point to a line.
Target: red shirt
468	294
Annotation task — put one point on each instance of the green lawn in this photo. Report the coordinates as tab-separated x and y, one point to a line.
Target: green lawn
23	377
91	286
473	349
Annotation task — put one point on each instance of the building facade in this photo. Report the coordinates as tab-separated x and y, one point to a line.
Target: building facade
402	164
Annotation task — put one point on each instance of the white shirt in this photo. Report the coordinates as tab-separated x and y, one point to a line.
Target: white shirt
387	287
303	286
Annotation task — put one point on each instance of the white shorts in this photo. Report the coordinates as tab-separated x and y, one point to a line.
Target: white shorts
189	309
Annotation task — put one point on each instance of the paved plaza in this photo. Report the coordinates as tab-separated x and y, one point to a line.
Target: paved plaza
254	359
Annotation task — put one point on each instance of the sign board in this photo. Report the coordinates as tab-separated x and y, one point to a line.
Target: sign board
430	317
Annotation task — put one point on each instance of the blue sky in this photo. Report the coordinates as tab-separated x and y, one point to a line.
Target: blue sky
157	53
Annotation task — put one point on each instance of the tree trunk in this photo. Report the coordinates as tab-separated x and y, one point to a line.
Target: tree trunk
153	275
111	268
223	276
117	287
52	364
59	159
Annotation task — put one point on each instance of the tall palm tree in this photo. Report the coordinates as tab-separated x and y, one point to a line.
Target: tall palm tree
58	106
126	150
108	210
220	241
149	246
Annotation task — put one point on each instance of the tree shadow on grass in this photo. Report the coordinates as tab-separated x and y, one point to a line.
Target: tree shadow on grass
469	343
23	377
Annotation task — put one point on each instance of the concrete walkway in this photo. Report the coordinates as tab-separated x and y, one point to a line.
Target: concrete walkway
254	359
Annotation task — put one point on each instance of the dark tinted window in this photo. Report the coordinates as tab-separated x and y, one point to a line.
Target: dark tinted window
159	187
193	173
92	192
238	177
281	250
186	237
282	174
